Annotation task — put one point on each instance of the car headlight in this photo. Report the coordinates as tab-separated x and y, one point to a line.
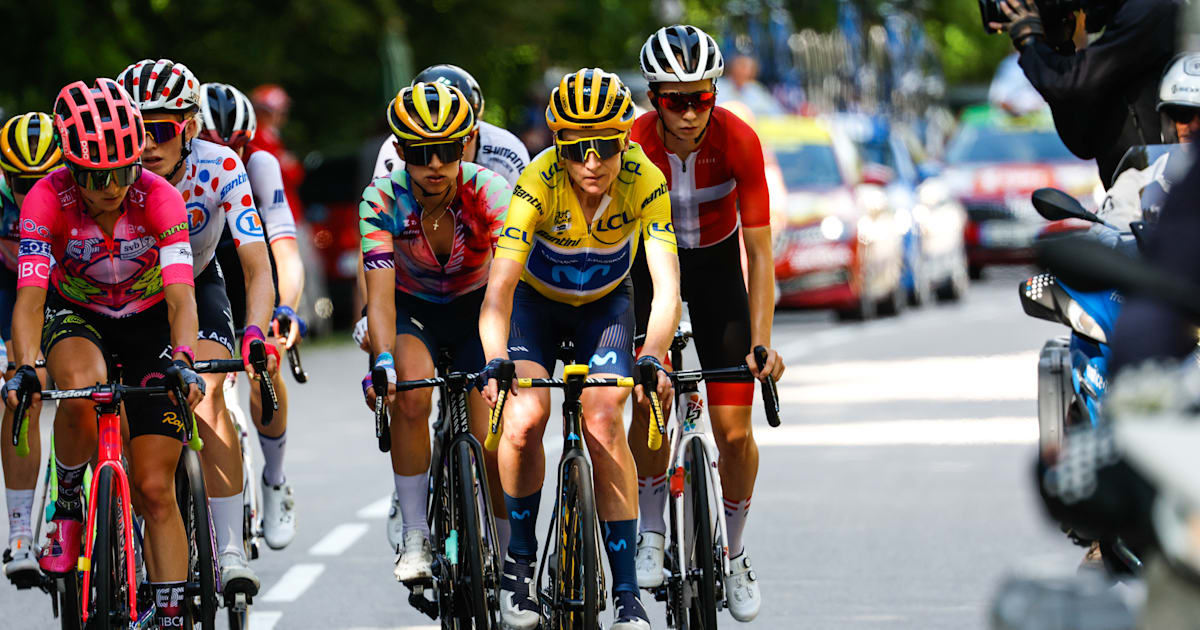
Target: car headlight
1083	323
832	228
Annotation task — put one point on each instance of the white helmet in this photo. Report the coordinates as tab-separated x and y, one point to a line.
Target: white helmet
161	85
1180	85
681	53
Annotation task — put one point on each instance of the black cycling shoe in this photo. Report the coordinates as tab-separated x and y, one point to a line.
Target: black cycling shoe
629	615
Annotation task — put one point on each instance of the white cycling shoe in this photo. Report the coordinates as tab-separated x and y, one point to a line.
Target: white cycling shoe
395	525
741	589
649	559
279	517
628	613
518	609
236	574
20	562
415	560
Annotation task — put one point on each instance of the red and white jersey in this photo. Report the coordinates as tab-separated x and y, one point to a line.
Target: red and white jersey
719	186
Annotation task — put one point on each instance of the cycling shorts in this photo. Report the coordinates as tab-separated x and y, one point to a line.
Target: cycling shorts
602	330
140	344
453	326
711	282
8	300
212	308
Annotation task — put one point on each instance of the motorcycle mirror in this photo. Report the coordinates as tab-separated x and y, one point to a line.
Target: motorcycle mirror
1086	262
1056	205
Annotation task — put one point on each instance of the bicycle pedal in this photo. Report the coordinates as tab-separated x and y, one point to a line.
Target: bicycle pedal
417	599
26	580
238	600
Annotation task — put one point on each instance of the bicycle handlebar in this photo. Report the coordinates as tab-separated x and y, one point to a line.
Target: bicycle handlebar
770	393
293	352
528	383
383	432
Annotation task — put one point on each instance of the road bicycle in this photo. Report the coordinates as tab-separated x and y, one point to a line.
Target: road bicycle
697	554
573	596
237	601
466	566
103	594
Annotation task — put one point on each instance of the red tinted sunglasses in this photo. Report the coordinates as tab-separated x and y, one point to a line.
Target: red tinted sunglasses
680	102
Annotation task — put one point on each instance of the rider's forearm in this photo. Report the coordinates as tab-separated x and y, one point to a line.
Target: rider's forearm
381	309
761	265
181	313
289	269
495	314
28	318
260	291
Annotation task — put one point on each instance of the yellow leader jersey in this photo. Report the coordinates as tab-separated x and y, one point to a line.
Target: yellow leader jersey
568	259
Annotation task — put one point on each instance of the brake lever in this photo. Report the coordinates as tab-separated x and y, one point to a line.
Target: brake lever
504	377
770	393
293	353
648	379
258	359
383	432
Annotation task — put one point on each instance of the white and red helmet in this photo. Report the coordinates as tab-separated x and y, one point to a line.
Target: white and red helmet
161	85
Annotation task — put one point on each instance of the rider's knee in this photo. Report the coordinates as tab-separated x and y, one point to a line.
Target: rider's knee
75	415
413	406
156	491
734	439
524	431
605	422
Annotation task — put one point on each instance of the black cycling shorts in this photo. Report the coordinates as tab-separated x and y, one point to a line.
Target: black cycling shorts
140	344
602	330
213	310
235	279
711	282
453	326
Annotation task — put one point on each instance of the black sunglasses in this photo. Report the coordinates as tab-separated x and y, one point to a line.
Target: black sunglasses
99	179
1182	115
422	154
21	184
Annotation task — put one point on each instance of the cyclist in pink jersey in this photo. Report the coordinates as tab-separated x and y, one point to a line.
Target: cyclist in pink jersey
428	231
28	152
111	239
216	193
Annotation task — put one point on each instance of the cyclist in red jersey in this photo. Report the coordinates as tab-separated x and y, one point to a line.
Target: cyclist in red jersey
112	239
714	167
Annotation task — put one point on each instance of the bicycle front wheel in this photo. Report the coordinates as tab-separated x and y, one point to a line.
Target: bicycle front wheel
193	507
474	604
702	612
109	582
576	586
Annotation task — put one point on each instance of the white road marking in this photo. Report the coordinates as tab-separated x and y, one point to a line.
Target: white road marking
294	582
339	539
376	509
964	378
961	432
264	620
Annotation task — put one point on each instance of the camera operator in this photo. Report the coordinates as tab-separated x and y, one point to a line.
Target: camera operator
1103	96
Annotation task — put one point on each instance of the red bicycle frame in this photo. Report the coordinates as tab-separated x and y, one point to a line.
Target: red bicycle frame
109	454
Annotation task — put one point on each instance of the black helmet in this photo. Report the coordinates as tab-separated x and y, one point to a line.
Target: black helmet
227	114
453	75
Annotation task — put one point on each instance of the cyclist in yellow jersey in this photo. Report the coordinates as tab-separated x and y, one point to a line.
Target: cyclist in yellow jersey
561	272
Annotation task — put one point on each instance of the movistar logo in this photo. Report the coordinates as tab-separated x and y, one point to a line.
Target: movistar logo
520	516
609	358
617	545
577	276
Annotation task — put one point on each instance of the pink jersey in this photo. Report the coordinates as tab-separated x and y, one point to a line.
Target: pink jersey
117	275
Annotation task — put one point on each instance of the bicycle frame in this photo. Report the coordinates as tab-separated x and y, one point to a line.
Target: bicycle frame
108	405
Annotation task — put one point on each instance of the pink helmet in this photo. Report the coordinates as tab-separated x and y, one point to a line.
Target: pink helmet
100	127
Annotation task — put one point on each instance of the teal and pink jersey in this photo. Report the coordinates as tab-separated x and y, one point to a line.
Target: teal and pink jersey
115	276
392	238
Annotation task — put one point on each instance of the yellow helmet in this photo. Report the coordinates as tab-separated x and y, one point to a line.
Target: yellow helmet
28	145
590	99
430	111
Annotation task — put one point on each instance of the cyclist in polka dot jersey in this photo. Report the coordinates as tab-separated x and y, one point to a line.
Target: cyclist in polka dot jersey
216	192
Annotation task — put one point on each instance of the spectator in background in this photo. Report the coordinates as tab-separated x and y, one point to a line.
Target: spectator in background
1012	92
743	88
271	105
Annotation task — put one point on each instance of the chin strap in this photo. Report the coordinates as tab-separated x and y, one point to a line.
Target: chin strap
184	152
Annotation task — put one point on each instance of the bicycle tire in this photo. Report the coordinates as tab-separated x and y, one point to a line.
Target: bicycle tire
189	484
578	560
68	601
702	610
474	610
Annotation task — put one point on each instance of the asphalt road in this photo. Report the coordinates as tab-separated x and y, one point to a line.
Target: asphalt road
897	494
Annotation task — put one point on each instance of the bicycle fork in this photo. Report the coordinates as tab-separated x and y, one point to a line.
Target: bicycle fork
110	457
